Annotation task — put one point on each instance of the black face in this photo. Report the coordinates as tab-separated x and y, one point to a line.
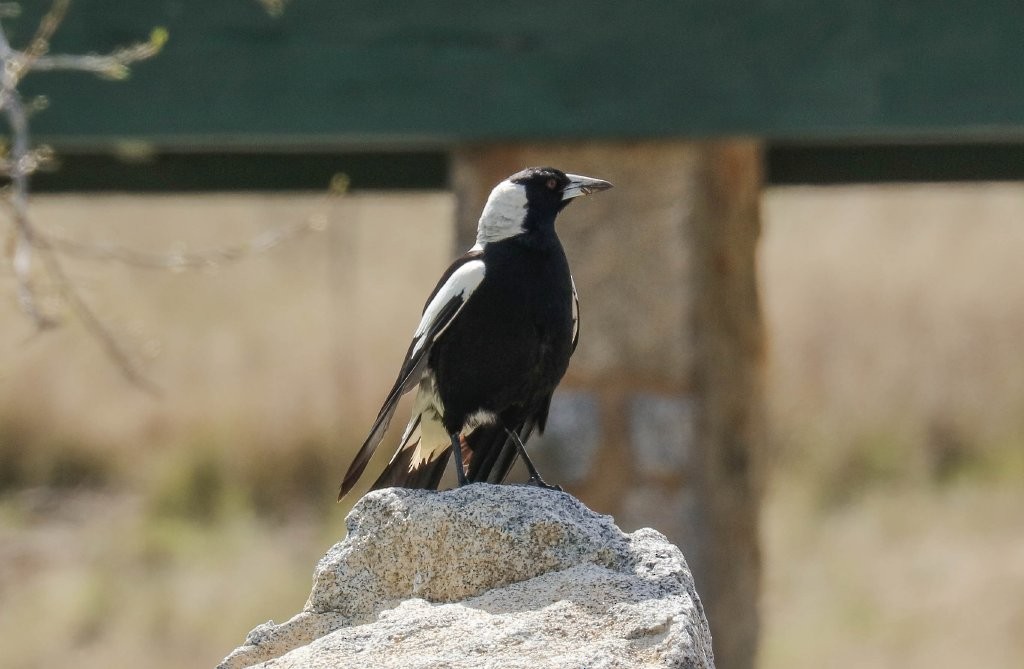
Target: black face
544	186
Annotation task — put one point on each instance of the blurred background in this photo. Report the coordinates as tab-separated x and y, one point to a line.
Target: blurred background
157	527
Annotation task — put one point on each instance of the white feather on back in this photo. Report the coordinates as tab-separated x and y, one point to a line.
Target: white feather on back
425	431
461	283
503	214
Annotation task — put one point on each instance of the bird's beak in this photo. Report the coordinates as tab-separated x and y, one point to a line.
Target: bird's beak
579	185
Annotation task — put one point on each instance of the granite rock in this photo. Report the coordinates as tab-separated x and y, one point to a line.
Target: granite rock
489	576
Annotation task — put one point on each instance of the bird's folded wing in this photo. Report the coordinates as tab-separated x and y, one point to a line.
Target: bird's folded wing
452	291
575	316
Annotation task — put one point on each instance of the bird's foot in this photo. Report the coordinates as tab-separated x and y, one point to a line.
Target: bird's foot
460	469
541	483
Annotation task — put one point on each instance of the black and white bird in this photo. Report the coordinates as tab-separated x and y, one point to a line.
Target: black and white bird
495	339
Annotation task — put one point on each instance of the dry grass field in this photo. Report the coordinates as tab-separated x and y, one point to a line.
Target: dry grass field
156	531
894	522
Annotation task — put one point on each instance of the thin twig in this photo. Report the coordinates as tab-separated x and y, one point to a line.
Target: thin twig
39	45
205	259
113	65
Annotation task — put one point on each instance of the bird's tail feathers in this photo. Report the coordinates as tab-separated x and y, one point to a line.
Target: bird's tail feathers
403	473
494	451
355	470
423	455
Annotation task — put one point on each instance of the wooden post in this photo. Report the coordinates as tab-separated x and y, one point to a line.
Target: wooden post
659	419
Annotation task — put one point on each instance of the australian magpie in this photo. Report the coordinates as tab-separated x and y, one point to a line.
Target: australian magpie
494	341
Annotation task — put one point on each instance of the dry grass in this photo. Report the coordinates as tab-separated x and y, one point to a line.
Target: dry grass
270	370
281	350
92	580
895	515
156	532
895	317
903	578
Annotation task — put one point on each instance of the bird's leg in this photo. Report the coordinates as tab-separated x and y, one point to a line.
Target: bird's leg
535	478
460	470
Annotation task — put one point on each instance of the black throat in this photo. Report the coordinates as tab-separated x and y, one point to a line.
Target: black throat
538	230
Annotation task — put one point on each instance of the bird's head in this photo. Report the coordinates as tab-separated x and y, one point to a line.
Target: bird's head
530	200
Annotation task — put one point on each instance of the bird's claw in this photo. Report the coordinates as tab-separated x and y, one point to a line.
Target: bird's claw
541	483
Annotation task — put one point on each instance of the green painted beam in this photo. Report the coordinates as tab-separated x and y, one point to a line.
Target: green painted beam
404	73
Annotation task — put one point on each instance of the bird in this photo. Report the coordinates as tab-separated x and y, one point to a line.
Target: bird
494	340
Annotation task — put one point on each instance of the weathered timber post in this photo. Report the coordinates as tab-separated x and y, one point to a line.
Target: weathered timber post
659	419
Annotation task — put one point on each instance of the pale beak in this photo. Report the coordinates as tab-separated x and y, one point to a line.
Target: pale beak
579	185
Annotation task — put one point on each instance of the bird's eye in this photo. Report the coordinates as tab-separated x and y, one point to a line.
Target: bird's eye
552	184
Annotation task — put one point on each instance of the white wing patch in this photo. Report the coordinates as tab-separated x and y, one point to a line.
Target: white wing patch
460	284
425	431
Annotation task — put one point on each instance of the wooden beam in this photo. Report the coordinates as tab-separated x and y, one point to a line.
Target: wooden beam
371	74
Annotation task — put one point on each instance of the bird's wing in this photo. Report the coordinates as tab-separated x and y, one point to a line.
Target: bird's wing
575	321
449	296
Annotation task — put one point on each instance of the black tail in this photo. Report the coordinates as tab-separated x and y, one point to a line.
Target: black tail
399	474
494	452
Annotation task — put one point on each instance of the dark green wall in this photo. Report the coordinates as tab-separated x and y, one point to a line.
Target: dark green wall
334	73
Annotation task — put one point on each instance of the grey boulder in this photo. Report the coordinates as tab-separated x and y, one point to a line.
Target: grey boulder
489	576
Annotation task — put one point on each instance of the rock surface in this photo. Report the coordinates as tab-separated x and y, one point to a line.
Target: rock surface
489	576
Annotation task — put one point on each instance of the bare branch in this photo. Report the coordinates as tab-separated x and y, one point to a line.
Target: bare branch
48	25
14	110
17	64
180	260
27	240
20	161
109	66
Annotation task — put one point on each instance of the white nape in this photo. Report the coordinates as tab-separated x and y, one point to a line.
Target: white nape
503	214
